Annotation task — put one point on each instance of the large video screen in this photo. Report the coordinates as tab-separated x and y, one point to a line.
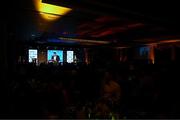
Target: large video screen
32	55
70	56
55	56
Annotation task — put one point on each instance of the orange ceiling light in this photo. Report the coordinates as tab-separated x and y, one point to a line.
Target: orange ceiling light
164	41
50	12
169	41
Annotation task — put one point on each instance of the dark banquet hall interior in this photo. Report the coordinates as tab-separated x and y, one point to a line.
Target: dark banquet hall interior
89	59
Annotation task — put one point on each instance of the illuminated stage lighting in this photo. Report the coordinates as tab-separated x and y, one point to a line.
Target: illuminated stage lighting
85	40
164	41
50	12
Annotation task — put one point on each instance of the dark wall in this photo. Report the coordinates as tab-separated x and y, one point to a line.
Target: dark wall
102	55
177	55
163	55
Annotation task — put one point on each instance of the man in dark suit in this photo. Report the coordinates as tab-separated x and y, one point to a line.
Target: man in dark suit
55	57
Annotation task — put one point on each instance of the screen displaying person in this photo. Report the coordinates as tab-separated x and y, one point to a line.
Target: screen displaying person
55	57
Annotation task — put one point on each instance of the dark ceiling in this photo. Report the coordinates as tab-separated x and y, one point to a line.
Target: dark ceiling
121	24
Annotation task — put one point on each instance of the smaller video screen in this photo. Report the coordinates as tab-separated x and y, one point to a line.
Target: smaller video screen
144	51
70	56
33	55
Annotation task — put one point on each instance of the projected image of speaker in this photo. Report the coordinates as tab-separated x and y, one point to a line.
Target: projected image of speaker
32	55
55	56
70	56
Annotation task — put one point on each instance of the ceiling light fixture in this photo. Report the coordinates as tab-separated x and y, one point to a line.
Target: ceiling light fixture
85	40
50	12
